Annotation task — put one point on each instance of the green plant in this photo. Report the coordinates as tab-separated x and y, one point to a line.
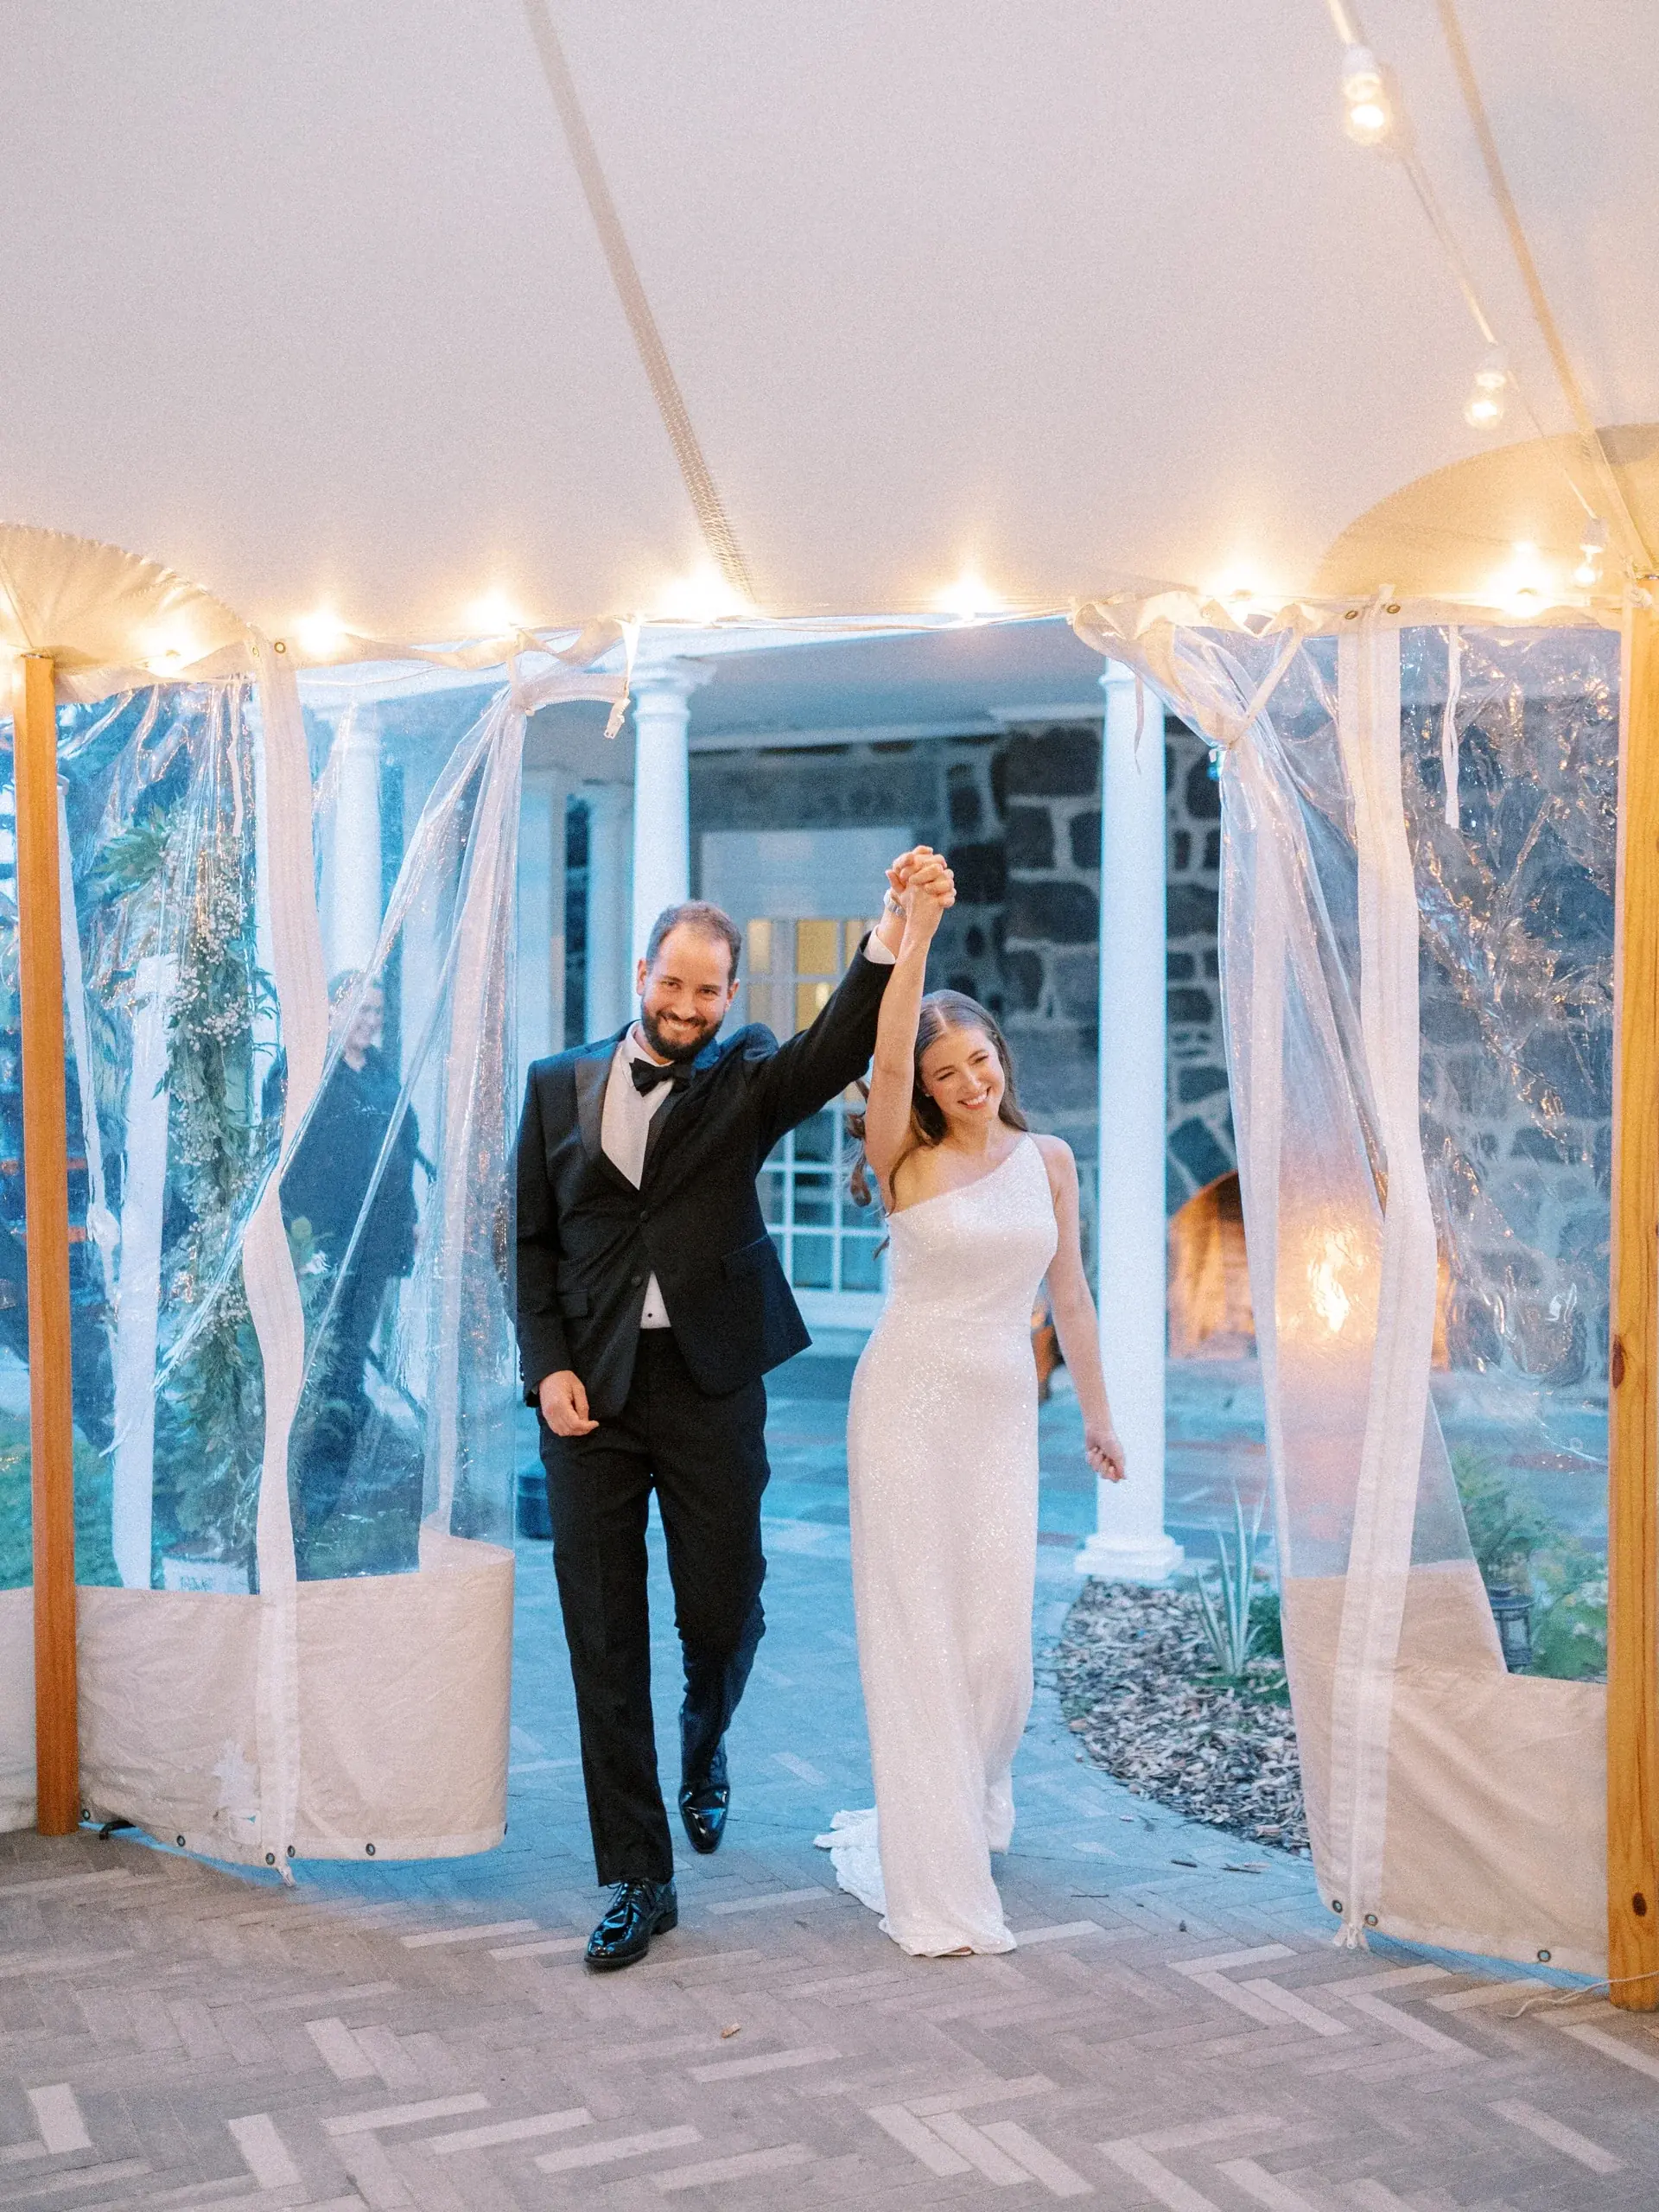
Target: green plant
1268	1624
1504	1531
1230	1610
178	880
135	857
1569	1638
94	1561
214	1447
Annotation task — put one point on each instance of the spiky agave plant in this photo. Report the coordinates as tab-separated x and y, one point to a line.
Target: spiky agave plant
1227	1609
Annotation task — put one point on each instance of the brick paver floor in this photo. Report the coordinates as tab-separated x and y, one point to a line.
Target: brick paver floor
1175	2029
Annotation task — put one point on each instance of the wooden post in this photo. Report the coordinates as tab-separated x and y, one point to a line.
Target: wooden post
46	1188
1633	1410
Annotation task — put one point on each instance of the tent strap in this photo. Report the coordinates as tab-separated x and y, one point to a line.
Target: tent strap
712	519
1544	315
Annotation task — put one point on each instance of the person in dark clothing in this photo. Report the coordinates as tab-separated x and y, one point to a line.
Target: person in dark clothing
331	1186
650	1303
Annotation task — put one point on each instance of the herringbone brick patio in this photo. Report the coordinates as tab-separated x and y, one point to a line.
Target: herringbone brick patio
1175	2029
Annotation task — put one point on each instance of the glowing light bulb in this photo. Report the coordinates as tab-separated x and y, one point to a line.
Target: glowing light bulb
319	634
1593	545
969	599
1370	118
167	651
494	615
1489	394
1527	585
704	598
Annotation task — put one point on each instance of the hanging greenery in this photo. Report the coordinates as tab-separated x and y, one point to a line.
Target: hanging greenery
177	880
210	1426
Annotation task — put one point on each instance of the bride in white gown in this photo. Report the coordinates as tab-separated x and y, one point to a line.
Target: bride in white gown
942	1456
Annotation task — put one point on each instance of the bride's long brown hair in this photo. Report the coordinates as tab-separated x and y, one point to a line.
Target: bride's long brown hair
941	1011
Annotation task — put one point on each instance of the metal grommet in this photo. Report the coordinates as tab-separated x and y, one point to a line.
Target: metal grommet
1543	1957
291	1851
1393	607
1336	1904
1352	615
279	646
369	1848
270	1858
179	1840
1371	1920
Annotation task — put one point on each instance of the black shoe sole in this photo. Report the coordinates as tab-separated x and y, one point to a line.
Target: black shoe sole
599	1963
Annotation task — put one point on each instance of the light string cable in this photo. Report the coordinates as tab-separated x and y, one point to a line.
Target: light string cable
1402	143
712	519
1475	108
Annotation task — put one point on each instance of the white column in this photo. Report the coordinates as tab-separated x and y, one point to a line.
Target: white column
608	974
351	916
541	915
662	790
1129	1543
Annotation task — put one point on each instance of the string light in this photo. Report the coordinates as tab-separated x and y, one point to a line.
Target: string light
1593	545
319	634
1489	392
969	599
1369	119
166	651
704	598
1526	587
494	615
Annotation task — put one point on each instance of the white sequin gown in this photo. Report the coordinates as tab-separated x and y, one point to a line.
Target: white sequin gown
941	1462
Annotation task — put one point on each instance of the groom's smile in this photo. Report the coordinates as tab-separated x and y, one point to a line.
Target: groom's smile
685	991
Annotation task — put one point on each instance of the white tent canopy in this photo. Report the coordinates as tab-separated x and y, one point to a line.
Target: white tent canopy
306	303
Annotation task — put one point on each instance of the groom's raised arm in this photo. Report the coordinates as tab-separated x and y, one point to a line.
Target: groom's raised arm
818	1063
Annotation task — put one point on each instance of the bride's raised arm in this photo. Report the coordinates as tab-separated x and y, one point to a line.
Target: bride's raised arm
926	894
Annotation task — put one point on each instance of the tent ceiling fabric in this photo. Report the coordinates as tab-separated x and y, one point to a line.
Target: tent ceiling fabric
99	611
1458	526
306	303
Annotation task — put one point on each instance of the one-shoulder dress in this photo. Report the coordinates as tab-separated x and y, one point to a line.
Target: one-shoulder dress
941	1465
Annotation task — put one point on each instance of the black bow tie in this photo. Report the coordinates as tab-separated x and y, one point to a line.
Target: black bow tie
647	1075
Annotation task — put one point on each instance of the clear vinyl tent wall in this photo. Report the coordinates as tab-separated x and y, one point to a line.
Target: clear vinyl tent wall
292	1331
1417	934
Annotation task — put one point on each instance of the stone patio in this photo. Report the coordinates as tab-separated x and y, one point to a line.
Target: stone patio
1175	2029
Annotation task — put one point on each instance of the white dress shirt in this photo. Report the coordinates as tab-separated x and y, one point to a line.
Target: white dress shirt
625	1122
624	1127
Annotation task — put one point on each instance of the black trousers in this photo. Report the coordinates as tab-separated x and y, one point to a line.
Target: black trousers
706	1458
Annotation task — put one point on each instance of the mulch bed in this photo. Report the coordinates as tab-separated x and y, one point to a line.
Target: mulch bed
1138	1686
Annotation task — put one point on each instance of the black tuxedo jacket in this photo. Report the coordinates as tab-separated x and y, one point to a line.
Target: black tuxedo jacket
589	1242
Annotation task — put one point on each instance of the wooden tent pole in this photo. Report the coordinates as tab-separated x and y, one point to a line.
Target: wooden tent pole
46	1186
1633	1411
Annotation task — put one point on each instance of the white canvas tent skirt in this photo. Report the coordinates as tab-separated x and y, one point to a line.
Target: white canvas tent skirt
1416	948
295	1384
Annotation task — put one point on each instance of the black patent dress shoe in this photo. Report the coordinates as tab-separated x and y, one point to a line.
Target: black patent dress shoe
703	1807
636	1912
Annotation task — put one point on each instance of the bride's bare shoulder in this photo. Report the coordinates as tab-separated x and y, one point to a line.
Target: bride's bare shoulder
1058	1158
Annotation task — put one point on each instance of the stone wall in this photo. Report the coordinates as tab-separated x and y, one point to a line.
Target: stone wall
1200	1112
1019	813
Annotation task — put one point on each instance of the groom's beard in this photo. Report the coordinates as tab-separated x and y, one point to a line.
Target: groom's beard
677	1047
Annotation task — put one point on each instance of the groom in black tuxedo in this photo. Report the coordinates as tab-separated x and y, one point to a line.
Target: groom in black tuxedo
650	1303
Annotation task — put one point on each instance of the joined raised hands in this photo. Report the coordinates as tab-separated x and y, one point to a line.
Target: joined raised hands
922	883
